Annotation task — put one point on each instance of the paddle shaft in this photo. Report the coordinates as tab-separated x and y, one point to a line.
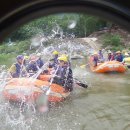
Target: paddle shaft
52	78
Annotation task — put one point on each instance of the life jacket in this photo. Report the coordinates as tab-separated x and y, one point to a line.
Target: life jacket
112	57
100	55
40	63
109	57
95	60
119	58
55	61
66	77
17	71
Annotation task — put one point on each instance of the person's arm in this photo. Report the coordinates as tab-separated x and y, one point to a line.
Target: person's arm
69	81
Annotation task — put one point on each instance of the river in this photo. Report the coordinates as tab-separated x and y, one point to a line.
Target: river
104	105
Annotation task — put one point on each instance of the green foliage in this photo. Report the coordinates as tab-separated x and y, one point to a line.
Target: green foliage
25	32
85	25
112	39
89	24
117	48
7	59
16	48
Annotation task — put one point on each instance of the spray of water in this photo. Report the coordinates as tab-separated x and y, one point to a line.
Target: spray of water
22	117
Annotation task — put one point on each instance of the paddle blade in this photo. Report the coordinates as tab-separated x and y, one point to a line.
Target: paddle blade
82	66
82	85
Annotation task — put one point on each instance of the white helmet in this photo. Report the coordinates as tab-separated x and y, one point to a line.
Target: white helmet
39	54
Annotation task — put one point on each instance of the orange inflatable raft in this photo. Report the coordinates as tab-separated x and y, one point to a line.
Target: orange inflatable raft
27	89
44	77
108	66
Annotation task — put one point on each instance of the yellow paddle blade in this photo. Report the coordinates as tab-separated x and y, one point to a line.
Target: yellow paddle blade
82	66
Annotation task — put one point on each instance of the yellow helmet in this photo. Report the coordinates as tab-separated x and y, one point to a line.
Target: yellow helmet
55	53
26	57
65	55
63	58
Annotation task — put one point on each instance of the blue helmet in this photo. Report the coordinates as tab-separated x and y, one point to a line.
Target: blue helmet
20	57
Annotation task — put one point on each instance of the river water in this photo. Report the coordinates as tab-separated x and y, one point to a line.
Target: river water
104	105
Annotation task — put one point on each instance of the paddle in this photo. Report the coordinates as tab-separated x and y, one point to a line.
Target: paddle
52	78
47	91
84	65
80	83
5	79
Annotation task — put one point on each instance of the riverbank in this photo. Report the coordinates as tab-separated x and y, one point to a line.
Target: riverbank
115	40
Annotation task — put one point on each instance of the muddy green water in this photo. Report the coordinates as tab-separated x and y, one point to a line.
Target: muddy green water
105	105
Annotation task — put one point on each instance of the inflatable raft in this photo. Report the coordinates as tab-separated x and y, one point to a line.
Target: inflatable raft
108	66
44	77
27	89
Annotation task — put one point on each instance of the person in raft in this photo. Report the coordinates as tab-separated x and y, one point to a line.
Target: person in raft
111	56
126	60
119	57
95	59
64	75
34	64
100	56
18	69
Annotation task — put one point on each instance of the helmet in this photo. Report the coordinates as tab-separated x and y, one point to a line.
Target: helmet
63	58
126	54
38	54
26	57
20	57
55	53
124	51
109	52
95	53
65	55
118	52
